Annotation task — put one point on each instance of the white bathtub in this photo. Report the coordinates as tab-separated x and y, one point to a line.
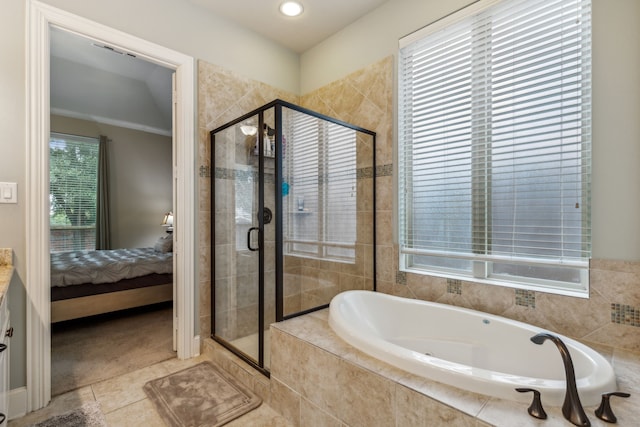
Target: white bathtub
467	349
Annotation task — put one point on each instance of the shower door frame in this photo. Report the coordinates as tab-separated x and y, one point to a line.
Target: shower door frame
277	105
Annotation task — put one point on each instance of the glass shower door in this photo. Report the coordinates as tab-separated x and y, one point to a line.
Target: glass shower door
293	203
237	237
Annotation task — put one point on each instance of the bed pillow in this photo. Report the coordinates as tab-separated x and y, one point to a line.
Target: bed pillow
164	244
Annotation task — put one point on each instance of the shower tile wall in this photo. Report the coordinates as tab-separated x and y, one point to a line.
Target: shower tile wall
223	96
365	99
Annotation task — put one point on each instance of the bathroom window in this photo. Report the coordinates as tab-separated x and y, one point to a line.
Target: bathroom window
73	184
320	170
494	130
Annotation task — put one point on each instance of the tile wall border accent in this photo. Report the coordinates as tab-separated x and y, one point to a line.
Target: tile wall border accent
525	298
235	174
454	286
204	171
384	170
625	314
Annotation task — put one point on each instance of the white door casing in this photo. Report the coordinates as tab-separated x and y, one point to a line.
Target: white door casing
40	18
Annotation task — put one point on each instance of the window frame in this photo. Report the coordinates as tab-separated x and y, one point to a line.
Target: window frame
481	264
77	140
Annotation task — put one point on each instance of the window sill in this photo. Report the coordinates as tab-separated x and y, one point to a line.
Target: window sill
550	289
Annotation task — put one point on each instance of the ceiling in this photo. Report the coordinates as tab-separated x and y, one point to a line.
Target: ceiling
92	82
95	82
320	19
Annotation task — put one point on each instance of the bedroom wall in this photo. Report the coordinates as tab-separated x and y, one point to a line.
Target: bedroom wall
139	180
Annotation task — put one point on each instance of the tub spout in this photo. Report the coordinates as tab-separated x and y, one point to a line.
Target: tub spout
571	408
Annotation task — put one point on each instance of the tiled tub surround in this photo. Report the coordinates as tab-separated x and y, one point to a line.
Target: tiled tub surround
318	379
472	350
609	317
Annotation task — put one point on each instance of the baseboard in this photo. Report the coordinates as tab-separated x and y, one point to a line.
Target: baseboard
17	403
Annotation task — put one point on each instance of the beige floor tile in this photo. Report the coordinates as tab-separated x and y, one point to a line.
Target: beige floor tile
84	352
175	365
123	400
141	413
126	389
262	416
59	405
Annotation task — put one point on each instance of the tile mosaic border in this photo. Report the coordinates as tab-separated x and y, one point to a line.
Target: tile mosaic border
525	298
454	286
625	314
384	170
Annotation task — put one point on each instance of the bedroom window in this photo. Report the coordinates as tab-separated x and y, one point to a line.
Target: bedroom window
494	129
320	166
73	183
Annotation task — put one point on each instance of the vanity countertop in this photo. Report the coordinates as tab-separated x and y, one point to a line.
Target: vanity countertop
6	270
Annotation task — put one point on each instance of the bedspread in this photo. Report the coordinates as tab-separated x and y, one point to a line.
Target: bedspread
107	266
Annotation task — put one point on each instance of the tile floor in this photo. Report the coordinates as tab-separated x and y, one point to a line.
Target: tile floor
88	350
124	402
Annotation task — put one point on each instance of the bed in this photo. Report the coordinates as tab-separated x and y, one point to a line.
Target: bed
86	283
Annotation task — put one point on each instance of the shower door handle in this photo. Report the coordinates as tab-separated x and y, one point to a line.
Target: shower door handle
249	238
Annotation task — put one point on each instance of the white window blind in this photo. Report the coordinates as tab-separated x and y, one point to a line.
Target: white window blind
495	145
320	167
73	180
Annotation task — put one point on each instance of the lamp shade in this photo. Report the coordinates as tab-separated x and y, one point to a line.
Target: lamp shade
168	221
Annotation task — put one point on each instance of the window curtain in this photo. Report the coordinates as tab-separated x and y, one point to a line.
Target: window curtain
103	229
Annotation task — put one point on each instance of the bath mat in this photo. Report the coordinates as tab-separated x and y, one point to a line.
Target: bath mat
200	396
88	415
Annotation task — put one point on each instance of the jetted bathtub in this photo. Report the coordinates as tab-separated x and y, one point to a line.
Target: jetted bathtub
468	349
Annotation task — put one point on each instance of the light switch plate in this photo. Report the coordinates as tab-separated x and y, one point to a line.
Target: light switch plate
8	192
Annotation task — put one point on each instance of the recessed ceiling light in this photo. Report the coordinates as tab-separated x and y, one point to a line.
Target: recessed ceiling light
291	8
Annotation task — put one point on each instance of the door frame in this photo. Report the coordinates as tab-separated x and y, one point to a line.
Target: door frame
40	18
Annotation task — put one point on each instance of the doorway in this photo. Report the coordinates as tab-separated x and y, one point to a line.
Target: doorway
109	195
41	18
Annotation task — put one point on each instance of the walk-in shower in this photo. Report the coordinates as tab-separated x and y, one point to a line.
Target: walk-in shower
292	220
